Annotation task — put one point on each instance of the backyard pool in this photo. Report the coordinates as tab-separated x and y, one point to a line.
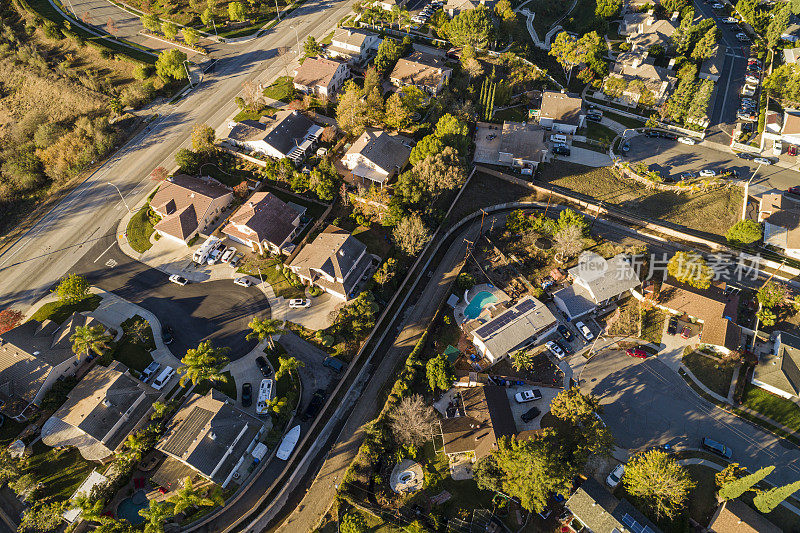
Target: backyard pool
477	304
130	506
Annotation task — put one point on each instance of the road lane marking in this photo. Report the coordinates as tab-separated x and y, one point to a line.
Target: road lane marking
104	253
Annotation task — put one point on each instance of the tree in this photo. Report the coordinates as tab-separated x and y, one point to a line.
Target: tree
795	6
565	49
159	174
440	373
706	46
188	161
91	508
156	515
42	517
504	11
773	294
207	17
264	328
72	288
388	54
614	86
151	22
691	268
777	26
442	171
568	218
10	467
353	522
412	421
311	47
453	132
766	316
159	409
470	27
88	339
397	115
384	274
659	481
188	497
190	35
169	29
523	360
730	473
744	232
204	363
236	11
356	317
169	65
352	114
568	242
9	319
572	405
488	475
768	500
608	9
288	365
428	145
733	489
411	235
203	137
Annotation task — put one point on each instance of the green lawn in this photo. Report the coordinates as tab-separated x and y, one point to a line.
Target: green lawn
58	312
228	387
132	354
512	114
139	230
598	132
254	114
703	501
653	325
775	407
327	39
59	472
376	241
711	373
272	273
282	89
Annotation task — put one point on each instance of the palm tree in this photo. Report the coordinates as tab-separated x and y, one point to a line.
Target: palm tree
187	497
136	443
88	339
287	366
264	328
204	363
159	410
156	515
90	511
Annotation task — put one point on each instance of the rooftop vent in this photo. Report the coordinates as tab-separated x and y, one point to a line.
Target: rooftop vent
106	402
212	435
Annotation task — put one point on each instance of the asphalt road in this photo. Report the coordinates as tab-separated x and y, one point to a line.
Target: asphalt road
217	310
645	404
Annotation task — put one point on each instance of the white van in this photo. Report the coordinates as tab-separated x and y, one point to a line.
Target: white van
201	254
558	138
163	378
777	147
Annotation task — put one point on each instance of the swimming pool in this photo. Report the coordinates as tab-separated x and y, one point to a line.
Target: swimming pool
478	302
129	507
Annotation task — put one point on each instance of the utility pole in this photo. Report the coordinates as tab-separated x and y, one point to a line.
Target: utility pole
548	204
296	38
469	246
483	215
277	11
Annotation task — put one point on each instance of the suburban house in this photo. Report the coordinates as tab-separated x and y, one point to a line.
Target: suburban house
353	45
639	73
631	22
715	308
517	145
208	436
482	416
601	512
595	282
512	329
780	214
779	372
389	4
735	516
425	71
377	156
644	32
188	205
33	356
792	31
319	76
562	112
791	55
265	223
106	406
454	7
335	262
711	68
290	134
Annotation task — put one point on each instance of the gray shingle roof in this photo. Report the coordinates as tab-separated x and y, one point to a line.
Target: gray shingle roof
267	215
287	131
506	332
601	512
781	370
603	278
386	151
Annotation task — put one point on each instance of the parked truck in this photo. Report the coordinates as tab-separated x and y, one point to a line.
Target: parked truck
201	254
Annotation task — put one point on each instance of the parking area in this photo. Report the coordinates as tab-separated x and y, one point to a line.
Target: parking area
314	375
518	409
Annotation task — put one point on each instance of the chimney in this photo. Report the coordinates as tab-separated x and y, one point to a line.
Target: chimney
212	435
251	204
106	402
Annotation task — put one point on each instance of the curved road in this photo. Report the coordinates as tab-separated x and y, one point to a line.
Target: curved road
646	404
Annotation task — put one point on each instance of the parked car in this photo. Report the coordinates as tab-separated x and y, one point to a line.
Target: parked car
687	140
668	135
748	90
317	401
794	189
687	175
626	147
228	255
651	133
615	476
717	448
585	331
749	78
717	5
565	332
263	366
298	303
242	282
561	149
672	326
247	395
528	395
730	20
762	161
166	335
235	260
163	378
636	352
530	414
555	349
214	256
594	116
150	371
742	37
745	155
708	173
179	280
333	363
792	150
686	332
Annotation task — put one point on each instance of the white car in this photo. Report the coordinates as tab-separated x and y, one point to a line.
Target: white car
528	395
687	140
762	161
180	280
751	79
213	256
299	303
230	252
717	6
730	20
555	349
749	90
242	282
742	37
585	331
615	476
708	173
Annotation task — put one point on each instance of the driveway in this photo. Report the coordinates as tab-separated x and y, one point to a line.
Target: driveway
314	376
646	404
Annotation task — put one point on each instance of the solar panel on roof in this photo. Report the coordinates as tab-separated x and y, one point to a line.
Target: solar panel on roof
635	526
506	318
